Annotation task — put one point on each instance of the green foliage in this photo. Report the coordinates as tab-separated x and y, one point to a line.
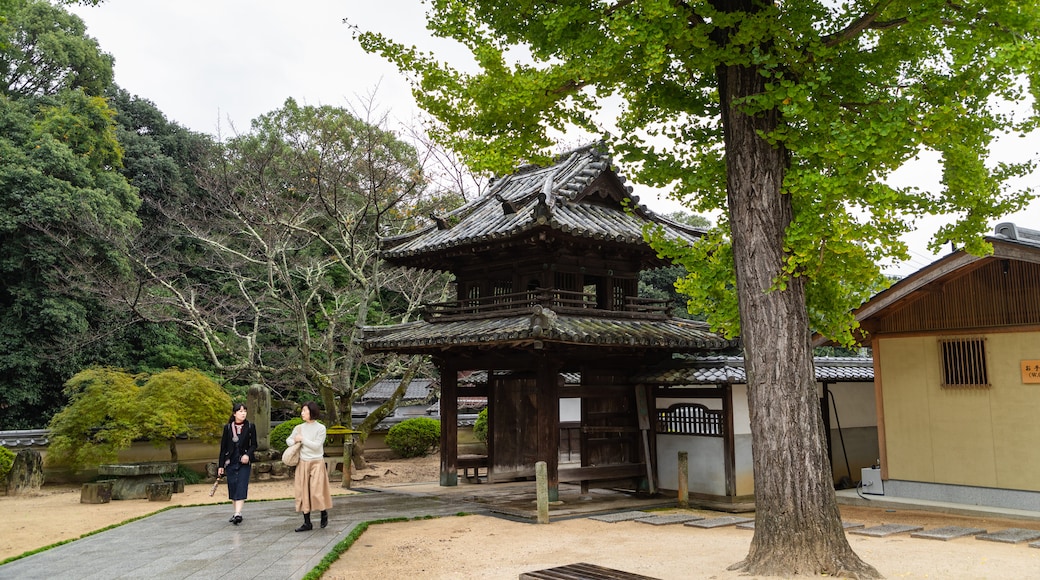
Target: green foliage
99	420
60	196
414	437
189	475
174	402
847	92
6	461
108	409
45	50
303	262
480	426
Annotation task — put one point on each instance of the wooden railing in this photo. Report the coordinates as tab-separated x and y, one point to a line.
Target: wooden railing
561	301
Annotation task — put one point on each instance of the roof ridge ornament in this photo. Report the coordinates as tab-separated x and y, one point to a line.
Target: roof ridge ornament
508	207
542	211
442	223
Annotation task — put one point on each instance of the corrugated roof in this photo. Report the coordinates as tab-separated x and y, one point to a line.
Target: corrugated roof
553	197
546	326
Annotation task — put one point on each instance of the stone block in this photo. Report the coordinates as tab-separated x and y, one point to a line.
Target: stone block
178	483
26	475
96	492
159	491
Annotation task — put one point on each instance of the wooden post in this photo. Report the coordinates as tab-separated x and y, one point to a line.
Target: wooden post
542	494
548	422
449	424
643	411
684	479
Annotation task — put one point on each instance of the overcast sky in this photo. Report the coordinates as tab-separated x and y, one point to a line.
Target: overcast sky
215	65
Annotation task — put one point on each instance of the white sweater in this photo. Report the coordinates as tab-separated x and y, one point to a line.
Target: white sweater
313	440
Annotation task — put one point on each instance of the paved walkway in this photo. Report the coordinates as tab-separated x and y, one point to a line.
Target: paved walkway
198	542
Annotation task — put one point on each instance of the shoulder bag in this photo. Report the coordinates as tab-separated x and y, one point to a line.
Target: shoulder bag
291	455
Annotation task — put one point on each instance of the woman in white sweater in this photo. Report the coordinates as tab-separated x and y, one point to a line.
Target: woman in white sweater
311	486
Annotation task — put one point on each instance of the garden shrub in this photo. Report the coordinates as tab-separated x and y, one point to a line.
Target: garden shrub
6	461
480	426
281	431
189	475
414	437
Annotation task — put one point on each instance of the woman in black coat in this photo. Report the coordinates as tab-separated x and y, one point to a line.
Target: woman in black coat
237	449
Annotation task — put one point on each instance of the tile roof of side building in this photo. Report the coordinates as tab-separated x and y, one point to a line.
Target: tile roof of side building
1009	242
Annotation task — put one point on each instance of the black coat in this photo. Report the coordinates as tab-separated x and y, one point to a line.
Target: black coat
232	450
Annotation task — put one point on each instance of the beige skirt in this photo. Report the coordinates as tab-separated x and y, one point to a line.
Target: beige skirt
311	487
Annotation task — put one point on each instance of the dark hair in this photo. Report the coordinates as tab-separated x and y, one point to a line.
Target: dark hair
234	409
314	410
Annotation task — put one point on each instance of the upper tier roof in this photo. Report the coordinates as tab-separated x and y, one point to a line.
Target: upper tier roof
580	196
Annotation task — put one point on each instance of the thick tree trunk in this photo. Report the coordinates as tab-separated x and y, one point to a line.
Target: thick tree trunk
798	528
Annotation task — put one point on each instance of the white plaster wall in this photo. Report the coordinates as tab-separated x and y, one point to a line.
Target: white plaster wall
855	405
706	473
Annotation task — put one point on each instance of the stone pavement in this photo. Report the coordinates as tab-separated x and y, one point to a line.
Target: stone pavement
198	542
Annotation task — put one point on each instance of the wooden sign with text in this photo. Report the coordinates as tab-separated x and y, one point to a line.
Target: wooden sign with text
1031	371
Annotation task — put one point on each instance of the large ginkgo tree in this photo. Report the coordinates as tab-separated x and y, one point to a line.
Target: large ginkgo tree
789	117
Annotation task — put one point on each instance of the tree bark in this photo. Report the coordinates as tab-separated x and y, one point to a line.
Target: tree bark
798	527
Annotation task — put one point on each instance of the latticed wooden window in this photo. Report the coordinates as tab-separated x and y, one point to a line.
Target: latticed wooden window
690	419
964	363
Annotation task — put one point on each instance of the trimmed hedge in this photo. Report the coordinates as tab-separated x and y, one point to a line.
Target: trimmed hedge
6	461
414	437
480	426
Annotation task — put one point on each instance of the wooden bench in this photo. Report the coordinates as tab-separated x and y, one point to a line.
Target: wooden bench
582	571
465	463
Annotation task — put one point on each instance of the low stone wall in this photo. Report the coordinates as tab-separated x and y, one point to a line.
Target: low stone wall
201	457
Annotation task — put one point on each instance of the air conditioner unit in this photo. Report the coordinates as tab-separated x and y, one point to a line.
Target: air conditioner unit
870	481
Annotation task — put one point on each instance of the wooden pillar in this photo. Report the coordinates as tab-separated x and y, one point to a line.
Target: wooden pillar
643	413
729	444
548	400
825	413
449	424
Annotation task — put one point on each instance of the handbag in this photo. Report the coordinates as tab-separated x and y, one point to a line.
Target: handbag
291	455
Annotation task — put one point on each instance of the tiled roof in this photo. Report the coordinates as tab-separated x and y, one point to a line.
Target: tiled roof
464	404
541	197
480	378
1009	232
730	369
418	389
1010	242
547	326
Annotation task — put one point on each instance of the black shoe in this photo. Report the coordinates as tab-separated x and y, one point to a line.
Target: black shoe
324	519
231	519
305	527
237	519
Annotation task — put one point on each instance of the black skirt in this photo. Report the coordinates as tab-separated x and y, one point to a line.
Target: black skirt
238	480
